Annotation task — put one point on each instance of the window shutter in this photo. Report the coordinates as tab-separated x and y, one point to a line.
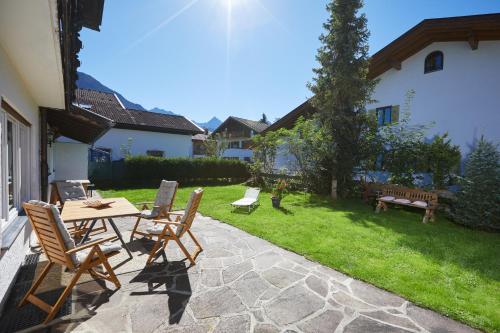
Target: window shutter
395	113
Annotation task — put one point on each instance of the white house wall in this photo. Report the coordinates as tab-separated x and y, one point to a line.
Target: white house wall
13	90
70	160
241	154
173	145
462	99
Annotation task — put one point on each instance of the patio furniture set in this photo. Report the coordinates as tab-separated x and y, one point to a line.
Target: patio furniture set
68	246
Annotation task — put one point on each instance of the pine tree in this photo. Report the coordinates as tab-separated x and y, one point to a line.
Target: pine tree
478	202
342	88
264	119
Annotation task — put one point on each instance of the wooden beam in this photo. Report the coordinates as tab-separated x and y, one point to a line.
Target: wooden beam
473	40
13	112
44	166
395	64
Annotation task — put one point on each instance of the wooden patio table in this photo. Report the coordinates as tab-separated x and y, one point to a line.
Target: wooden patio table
75	211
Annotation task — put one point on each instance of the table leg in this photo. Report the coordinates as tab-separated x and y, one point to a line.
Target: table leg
89	230
118	233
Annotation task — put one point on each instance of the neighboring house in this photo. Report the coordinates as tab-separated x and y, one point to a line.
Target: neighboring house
140	132
238	133
199	148
38	60
452	64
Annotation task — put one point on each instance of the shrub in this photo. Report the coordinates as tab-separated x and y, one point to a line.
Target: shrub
146	170
441	158
478	201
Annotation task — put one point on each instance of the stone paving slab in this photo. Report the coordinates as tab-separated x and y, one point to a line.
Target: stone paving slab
240	284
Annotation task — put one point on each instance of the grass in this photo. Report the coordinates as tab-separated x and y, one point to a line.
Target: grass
442	266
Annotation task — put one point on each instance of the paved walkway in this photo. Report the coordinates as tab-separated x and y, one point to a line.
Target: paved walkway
241	283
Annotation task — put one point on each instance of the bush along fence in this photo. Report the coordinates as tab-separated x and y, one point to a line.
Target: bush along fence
141	171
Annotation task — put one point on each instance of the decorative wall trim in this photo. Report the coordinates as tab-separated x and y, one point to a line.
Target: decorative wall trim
16	115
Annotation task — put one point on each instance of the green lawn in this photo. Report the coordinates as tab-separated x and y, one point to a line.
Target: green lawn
439	265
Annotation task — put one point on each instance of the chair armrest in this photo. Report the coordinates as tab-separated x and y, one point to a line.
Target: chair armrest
91	244
144	204
178	214
166	222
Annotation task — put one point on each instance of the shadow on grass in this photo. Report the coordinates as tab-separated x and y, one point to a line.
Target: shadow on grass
284	210
442	241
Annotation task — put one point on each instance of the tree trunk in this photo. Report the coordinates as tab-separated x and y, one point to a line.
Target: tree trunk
333	192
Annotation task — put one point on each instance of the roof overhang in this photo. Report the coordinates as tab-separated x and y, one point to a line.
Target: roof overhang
471	29
305	110
78	124
41	39
29	37
147	128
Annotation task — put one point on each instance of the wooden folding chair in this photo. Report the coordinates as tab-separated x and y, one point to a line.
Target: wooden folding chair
161	206
67	190
59	248
166	230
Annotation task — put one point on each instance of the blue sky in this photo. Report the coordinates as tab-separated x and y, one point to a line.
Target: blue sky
204	58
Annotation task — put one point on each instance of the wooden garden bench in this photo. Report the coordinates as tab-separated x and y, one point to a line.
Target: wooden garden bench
408	197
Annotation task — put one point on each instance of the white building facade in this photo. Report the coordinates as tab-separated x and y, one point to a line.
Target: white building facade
138	132
451	69
463	98
145	143
32	78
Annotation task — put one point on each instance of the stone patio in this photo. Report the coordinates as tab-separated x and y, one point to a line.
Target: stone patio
241	283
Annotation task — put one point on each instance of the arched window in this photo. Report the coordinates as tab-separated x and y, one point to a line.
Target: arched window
434	62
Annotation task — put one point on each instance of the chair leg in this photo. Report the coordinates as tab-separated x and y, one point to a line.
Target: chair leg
105	228
198	245
135	228
153	252
64	295
185	251
36	284
104	260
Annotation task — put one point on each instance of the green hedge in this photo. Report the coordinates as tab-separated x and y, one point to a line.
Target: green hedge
147	170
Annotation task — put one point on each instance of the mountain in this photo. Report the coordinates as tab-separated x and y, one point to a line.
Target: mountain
86	81
211	125
158	110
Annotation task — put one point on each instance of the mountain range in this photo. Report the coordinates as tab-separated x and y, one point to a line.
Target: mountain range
86	81
211	125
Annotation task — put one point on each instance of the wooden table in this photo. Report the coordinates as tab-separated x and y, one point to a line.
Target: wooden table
75	211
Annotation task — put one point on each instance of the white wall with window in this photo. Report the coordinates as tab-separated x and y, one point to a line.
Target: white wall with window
455	87
19	165
145	143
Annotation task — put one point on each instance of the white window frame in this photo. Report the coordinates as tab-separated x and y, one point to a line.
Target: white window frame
22	167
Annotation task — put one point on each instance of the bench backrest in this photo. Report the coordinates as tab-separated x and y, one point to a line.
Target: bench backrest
410	194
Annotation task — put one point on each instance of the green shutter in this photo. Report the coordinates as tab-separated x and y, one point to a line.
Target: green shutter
395	113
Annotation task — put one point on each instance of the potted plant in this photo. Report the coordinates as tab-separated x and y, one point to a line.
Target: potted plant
278	192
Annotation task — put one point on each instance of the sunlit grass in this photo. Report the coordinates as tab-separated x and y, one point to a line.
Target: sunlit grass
442	266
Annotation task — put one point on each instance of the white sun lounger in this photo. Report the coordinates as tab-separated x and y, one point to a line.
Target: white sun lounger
250	199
